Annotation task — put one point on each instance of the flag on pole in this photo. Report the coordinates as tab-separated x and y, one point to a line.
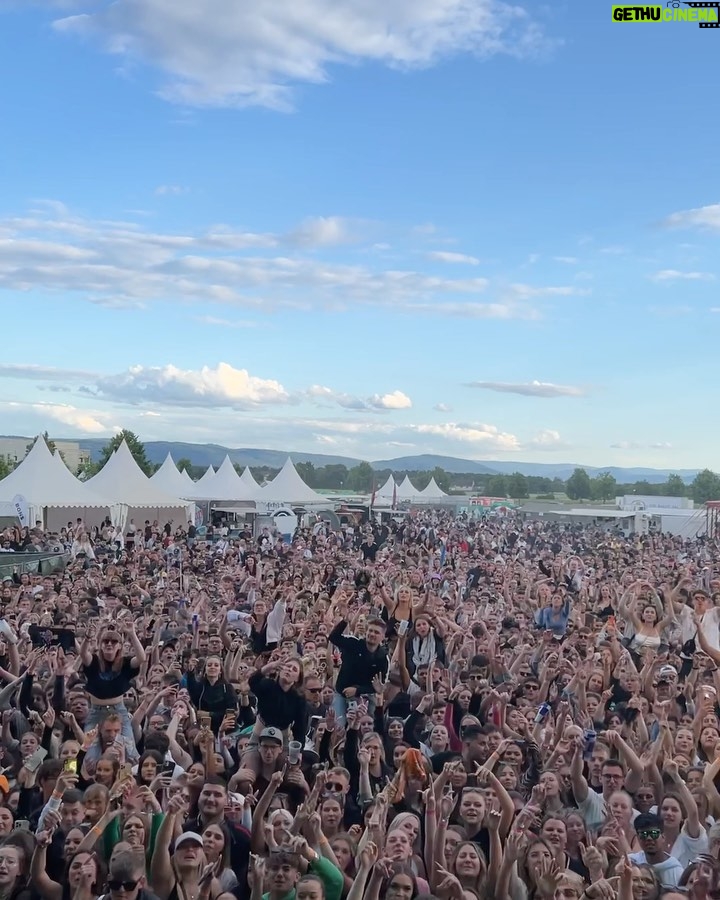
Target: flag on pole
394	503
374	491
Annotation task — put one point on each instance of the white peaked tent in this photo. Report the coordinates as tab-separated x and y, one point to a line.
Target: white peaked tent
248	479
386	492
407	490
187	481
169	480
124	481
288	487
202	489
431	492
228	485
46	483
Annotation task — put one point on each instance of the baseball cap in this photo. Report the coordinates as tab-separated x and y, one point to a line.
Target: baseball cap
272	734
667	671
189	837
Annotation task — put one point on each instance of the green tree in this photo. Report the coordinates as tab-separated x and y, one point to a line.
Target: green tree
675	486
496	486
604	487
360	478
442	479
87	469
306	470
334	477
184	463
5	467
578	485
517	486
706	486
135	445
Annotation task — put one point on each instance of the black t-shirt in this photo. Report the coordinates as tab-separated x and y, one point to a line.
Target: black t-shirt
369	551
109	684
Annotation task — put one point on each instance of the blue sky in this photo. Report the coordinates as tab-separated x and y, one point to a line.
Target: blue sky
369	228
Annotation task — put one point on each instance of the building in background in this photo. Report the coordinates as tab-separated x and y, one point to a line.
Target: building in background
14	450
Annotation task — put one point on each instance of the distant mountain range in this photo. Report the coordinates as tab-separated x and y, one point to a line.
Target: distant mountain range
213	454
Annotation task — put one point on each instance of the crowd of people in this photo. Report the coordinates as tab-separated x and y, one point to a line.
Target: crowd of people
434	707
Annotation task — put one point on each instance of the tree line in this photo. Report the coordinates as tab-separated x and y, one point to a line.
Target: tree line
362	478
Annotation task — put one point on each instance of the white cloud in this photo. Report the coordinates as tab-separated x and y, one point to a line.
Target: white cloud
321	232
174	190
89	422
704	217
483	435
675	275
225	53
43	373
547	439
222	386
376	403
125	266
530	292
442	407
395	400
448	257
530	389
566	260
640	445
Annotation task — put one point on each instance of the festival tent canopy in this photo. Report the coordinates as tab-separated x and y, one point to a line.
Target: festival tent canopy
170	480
248	479
406	490
431	492
122	479
387	491
202	488
189	484
288	487
228	485
45	481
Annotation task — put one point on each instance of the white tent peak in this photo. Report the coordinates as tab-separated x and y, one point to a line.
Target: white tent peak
202	489
45	481
288	487
432	491
407	490
123	479
248	479
169	479
387	491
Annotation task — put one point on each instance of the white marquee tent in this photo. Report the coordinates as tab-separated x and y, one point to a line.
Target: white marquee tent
46	484
202	489
407	490
169	479
431	492
228	485
387	492
288	487
248	479
122	479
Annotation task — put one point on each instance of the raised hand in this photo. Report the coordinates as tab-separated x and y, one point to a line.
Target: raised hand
369	855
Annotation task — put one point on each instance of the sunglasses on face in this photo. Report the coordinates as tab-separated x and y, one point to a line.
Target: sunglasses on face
649	834
122	885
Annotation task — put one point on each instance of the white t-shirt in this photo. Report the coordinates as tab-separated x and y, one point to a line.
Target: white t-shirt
686	848
710	626
668	871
